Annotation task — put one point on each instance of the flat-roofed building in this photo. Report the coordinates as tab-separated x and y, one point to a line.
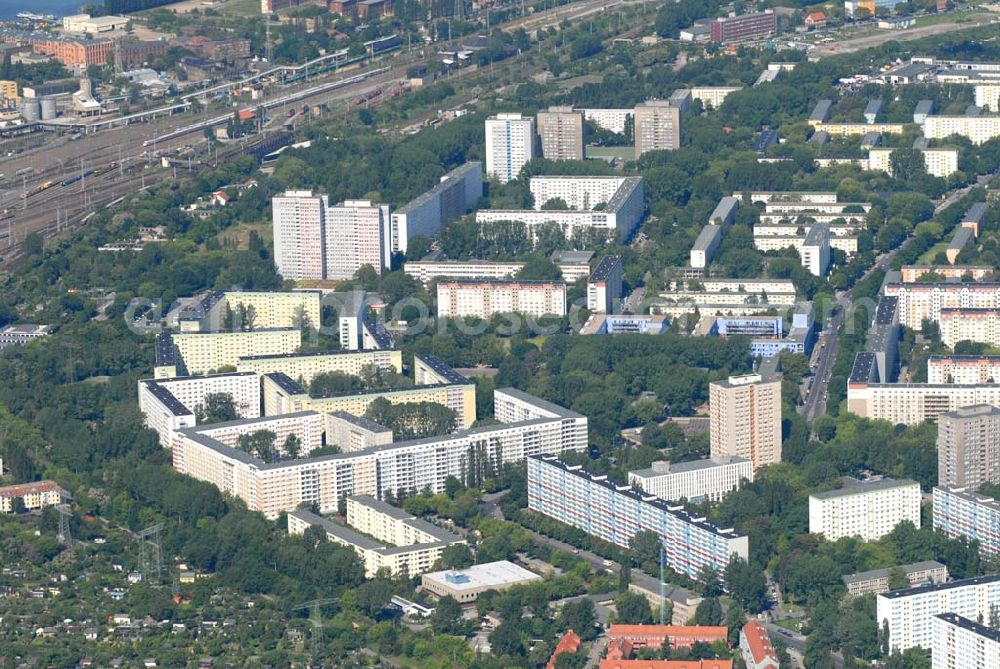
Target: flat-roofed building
974	217
961	643
19	335
561	133
35	495
613	120
510	144
306	366
465	585
616	513
745	419
742	28
625	324
968	446
574	265
725	212
657	127
428	271
710	479
975	325
169	404
354	433
357	234
713	96
202	352
299	225
963	369
815	250
926	300
866	509
705	246
914	273
909	614
604	287
877	580
977	129
484	299
458	192
679	636
821	112
961	512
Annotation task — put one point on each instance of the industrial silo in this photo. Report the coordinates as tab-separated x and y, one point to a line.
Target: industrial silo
48	108
30	110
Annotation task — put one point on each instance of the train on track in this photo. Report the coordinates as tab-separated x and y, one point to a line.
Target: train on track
41	188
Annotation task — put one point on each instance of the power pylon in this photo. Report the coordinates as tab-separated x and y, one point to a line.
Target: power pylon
64	534
150	558
316	620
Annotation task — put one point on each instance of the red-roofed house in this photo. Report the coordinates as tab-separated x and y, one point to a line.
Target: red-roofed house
619	649
569	643
681	636
666	664
220	198
815	20
755	644
37	495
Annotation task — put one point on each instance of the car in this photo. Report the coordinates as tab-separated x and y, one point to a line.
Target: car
608	563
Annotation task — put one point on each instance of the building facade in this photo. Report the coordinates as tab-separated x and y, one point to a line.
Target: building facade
909	614
32	496
657	127
756	648
962	512
604	287
356	232
615	514
428	271
742	28
484	299
968	446
961	643
456	193
561	133
745	419
877	580
866	509
299	225
710	479
510	143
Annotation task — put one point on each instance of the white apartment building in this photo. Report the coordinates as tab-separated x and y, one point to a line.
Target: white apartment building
306	425
604	287
913	273
613	120
866	509
169	404
925	301
354	433
278	309
814	252
910	613
383	536
960	643
356	235
456	193
510	143
777	196
977	129
963	369
977	325
913	403
305	366
427	271
710	479
299	222
745	419
657	127
988	96
410	465
202	352
561	132
938	162
713	96
484	299
705	246
962	512
622	199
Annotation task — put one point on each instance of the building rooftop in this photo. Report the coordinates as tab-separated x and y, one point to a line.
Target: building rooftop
924	107
483	576
26	329
286	383
939	587
675	510
820	137
360	421
441	368
239	422
975	213
821	111
167	398
863	576
605	267
706	238
819	233
28	488
885	313
446	182
759	642
962	237
166	354
572	257
874	106
970	625
539	403
853	486
726	204
664	468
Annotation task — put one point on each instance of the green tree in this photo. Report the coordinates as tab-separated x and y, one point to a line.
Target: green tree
747	584
216	408
447	617
579	615
709	612
456	556
373	596
506	640
633	609
292	446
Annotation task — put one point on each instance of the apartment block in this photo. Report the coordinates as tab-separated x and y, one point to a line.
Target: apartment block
614	120
913	273
383	536
458	192
705	246
977	129
299	225
913	403
561	133
877	580
356	232
624	324
815	250
961	643
988	96
306	366
484	299
409	465
926	300
615	514
962	512
976	325
169	404
968	446
653	636
938	162
741	28
713	96
756	648
866	509
19	335
354	433
910	613
306	425
510	143
202	352
745	419
614	204
657	127
253	310
32	496
428	271
604	287
710	479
